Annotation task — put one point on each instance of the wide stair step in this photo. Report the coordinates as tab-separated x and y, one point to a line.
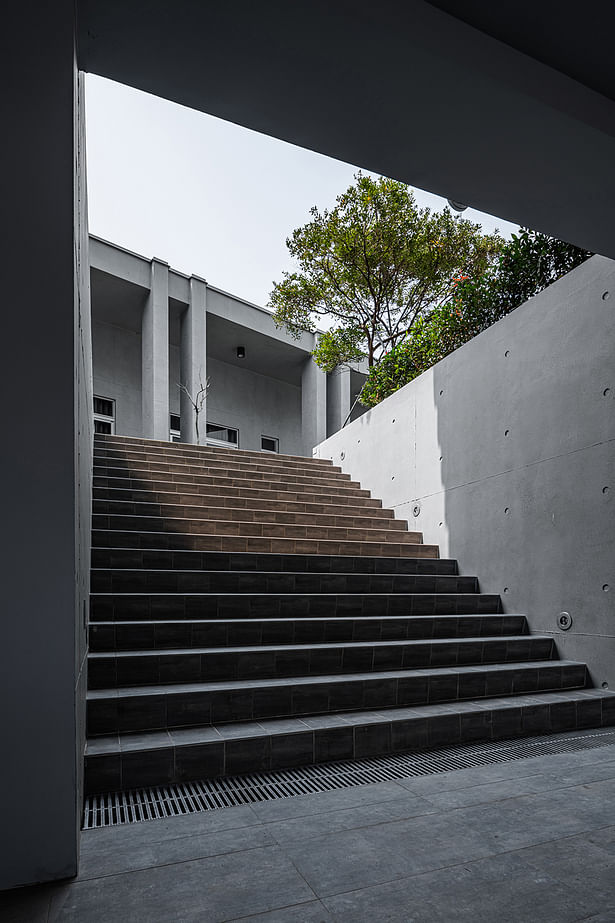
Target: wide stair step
254	612
157	634
126	760
203	664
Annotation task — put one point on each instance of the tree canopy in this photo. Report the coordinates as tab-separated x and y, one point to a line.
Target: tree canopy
372	266
528	263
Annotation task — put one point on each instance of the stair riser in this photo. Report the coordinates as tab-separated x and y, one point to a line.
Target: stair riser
206	455
318	506
137	467
233	544
111	636
116	477
135	581
148	606
138	670
184	709
307	564
268	514
120	522
282	751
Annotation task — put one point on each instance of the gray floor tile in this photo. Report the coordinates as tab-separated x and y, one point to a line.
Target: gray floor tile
304	805
297	829
312	912
526	841
211	890
373	855
157	831
113	860
459	894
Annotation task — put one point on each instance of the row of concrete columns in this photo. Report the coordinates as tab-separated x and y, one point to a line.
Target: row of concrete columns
155	355
193	369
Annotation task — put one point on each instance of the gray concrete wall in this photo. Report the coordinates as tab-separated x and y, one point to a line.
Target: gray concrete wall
46	456
506	452
117	374
255	405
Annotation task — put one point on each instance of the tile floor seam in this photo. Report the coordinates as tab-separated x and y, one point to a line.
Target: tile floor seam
162	865
359	827
252	916
438	868
188	836
479	858
463	864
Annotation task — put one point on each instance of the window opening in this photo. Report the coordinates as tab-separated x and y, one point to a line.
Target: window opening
174	428
222	435
270	444
104	415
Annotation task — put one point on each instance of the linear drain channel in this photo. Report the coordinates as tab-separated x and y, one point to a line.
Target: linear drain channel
192	797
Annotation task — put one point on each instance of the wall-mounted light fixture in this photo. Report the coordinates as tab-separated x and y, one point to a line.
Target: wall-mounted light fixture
241	352
457	206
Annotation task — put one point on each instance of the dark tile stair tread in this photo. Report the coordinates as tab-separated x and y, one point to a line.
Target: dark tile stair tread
319	619
272	573
290	595
329	679
223	467
334	645
161	485
362	512
149	740
349	509
237	555
307	620
250	522
187	450
431	551
125	442
155	476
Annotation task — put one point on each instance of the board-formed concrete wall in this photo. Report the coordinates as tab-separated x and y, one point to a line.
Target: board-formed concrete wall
504	455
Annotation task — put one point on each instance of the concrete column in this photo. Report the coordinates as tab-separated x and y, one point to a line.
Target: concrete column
45	367
155	355
339	399
193	361
313	406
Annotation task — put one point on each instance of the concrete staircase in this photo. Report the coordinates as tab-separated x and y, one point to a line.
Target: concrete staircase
252	612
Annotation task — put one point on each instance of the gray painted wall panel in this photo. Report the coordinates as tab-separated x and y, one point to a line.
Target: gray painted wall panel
117	374
256	405
440	444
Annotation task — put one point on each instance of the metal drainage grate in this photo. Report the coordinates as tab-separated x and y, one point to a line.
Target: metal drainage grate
192	797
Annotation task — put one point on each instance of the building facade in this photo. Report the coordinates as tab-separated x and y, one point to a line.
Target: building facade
160	337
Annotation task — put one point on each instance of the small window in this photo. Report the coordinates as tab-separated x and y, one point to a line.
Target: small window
270	444
174	428
104	415
222	435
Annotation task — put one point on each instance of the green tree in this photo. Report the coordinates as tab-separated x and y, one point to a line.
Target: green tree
373	266
526	265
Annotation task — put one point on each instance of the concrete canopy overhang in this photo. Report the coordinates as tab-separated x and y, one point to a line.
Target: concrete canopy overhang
517	119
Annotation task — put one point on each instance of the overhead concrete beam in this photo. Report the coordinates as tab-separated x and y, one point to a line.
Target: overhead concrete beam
406	90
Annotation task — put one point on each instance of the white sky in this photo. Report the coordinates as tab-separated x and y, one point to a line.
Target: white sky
207	196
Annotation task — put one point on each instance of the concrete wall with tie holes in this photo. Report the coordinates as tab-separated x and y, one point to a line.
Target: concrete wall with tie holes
504	455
